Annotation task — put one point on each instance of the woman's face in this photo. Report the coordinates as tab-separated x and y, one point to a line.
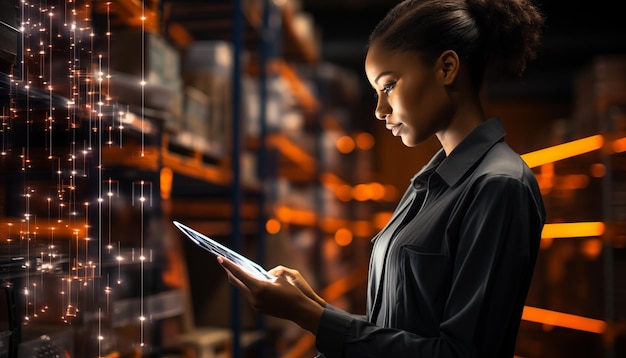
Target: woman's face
412	98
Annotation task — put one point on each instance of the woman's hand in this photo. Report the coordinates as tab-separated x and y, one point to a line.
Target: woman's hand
279	298
295	278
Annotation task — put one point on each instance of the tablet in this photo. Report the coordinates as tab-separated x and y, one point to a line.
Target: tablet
218	249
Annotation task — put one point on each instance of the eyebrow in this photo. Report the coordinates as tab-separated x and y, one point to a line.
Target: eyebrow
381	75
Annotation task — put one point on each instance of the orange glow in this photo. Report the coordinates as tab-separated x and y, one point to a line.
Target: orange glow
272	226
597	170
554	318
381	219
619	145
391	193
299	89
343	237
362	192
574	181
365	141
167	177
378	191
331	179
568	230
563	151
546	178
362	228
293	216
592	248
331	225
293	151
545	243
344	192
345	144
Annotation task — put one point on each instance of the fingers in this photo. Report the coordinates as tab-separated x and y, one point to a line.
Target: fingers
236	275
290	274
277	271
281	270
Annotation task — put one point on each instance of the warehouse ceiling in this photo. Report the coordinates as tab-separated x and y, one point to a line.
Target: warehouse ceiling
574	36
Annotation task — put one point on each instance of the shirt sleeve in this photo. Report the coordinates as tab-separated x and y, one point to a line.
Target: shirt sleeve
495	244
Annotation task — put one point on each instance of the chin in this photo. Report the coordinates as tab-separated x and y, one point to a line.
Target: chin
411	141
408	142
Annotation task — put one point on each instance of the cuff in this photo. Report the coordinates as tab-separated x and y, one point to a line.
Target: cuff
331	331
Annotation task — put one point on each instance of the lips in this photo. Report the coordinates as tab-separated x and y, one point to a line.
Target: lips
394	128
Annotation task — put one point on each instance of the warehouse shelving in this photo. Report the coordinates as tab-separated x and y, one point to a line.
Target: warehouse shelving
187	177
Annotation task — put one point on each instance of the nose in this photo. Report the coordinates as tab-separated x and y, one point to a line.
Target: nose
383	109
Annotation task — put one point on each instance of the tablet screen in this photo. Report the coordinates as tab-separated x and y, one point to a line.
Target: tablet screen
220	250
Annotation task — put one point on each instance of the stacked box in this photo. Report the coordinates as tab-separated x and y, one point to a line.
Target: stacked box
159	64
161	61
196	112
208	69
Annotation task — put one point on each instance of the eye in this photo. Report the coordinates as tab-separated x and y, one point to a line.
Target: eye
387	88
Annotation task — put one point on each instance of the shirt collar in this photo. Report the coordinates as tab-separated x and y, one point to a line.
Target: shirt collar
467	153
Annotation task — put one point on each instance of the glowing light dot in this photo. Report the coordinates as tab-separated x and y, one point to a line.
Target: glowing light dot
142	318
142	258
142	199
100	338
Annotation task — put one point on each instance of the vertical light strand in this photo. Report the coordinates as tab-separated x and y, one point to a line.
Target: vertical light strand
100	164
108	75
108	36
86	261
142	259
6	119
119	259
50	88
110	195
51	227
143	74
142	200
22	31
100	337
27	238
72	305
27	153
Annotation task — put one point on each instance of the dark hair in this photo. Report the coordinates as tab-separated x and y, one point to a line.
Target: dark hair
491	35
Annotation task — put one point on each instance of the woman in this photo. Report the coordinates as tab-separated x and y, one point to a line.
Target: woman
450	272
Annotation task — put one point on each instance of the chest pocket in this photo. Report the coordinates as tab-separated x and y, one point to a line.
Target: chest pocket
426	285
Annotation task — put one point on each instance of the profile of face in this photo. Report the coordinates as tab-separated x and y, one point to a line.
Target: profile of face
413	95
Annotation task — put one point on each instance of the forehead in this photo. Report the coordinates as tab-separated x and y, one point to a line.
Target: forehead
381	60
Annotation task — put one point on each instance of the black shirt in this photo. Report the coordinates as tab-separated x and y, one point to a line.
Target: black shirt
450	273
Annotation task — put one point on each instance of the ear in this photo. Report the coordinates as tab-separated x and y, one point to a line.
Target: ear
449	66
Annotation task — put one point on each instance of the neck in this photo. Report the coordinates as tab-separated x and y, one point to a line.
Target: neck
464	121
